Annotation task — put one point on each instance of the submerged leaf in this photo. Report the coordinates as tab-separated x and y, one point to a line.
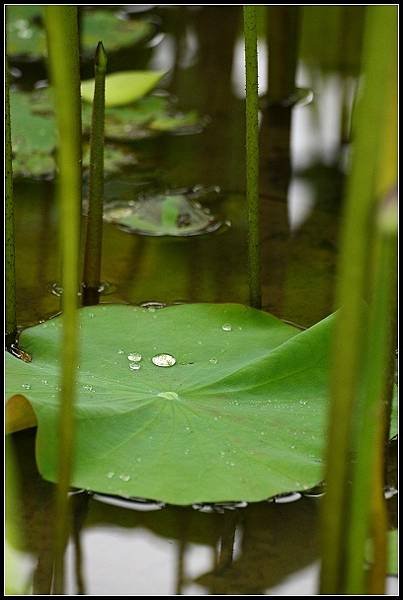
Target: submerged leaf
123	87
241	414
170	214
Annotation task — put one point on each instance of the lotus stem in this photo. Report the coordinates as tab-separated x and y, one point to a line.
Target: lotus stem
11	319
64	66
350	340
252	156
93	248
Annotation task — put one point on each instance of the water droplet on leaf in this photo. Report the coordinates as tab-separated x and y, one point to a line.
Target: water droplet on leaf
164	360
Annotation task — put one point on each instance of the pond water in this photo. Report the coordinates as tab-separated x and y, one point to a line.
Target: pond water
264	548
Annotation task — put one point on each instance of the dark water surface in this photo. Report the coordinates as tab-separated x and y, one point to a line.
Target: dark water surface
268	547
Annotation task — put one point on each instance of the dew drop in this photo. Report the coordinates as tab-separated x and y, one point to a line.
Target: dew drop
134	357
88	388
44	381
134	366
124	477
110	474
121	351
169	395
227	327
164	360
91	315
213	361
26	386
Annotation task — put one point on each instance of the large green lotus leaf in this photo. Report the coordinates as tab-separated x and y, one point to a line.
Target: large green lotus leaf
241	415
26	35
123	87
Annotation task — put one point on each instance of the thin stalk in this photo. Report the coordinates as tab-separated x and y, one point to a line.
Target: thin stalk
62	33
371	414
11	320
282	38
252	156
93	248
374	411
349	336
376	579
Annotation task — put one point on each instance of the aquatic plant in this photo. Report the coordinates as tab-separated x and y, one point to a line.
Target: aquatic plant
11	321
64	66
359	355
252	156
207	403
235	378
93	242
34	135
27	38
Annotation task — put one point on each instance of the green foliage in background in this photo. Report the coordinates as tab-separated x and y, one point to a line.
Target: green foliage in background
34	133
26	36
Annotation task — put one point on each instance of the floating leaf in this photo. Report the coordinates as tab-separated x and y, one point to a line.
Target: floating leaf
34	129
34	138
241	415
114	30
148	116
26	35
123	87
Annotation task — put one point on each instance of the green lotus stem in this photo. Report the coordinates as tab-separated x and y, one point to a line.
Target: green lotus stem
349	338
11	319
252	156
282	38
371	409
93	248
367	471
64	65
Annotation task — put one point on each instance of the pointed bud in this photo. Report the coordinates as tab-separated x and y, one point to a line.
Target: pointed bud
100	58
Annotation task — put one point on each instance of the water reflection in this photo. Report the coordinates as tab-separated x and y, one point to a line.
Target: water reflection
264	548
